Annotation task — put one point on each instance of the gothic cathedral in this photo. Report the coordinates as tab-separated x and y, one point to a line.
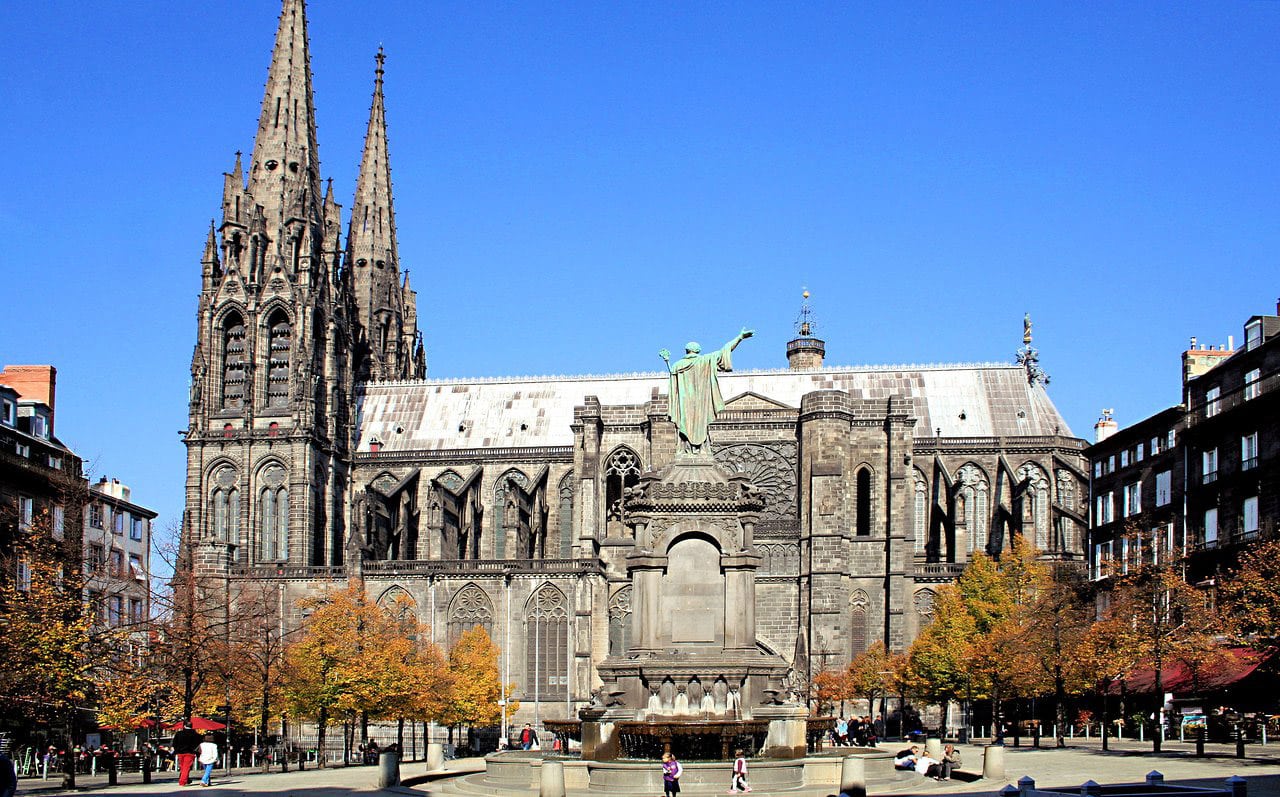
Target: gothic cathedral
319	453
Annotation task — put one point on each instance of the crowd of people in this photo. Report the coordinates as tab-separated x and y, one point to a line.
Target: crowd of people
913	759
857	731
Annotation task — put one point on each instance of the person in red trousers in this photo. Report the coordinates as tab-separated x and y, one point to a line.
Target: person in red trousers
186	743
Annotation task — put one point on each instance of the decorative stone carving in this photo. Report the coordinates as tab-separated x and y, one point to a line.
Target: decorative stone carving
770	470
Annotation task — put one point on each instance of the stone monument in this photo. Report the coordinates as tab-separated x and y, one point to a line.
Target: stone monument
694	680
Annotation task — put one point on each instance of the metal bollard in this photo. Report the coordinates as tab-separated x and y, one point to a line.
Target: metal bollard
1240	744
146	769
1200	742
113	776
388	769
853	776
1090	788
1237	785
993	762
1155	778
551	783
1026	785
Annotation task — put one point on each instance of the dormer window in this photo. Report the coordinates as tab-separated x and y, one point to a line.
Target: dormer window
8	412
1253	334
40	425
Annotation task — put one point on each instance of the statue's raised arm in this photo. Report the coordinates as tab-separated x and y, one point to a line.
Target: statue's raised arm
694	394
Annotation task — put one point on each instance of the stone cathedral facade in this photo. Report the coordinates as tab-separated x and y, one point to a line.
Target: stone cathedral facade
319	453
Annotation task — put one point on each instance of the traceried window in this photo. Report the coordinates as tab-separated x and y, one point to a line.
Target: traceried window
564	517
921	513
1035	505
546	645
622	470
471	607
620	622
234	362
273	497
971	505
279	344
225	506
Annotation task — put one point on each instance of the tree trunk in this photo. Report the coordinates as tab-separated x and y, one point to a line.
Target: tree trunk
400	735
1105	716
322	724
69	769
1060	711
364	727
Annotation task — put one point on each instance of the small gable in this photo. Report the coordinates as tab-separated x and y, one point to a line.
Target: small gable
751	401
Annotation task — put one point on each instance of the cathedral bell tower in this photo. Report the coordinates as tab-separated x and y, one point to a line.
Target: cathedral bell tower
271	406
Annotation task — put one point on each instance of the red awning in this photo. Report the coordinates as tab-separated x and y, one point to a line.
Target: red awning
1235	664
202	724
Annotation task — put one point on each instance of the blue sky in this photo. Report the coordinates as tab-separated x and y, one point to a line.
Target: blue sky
580	184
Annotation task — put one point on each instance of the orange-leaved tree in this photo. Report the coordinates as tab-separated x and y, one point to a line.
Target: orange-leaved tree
477	686
45	660
827	688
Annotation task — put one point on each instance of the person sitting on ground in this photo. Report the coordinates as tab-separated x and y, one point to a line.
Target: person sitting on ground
924	763
906	759
950	761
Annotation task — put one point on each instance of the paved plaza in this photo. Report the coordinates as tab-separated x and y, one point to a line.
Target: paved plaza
1126	762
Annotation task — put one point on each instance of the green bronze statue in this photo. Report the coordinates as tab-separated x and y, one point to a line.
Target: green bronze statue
694	390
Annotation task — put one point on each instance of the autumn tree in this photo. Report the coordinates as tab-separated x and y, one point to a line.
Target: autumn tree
868	675
827	688
1250	596
190	639
477	686
1058	620
45	661
354	658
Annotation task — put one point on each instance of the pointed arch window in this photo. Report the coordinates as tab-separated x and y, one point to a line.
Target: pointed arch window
864	503
471	607
622	470
225	506
547	645
921	519
279	346
620	622
971	505
273	499
1035	504
234	362
565	516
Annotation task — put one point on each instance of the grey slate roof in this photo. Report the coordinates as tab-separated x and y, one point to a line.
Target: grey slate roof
510	412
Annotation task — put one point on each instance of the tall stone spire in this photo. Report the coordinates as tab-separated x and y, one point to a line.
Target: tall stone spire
373	256
284	178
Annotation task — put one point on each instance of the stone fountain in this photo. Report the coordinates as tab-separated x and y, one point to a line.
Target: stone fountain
694	680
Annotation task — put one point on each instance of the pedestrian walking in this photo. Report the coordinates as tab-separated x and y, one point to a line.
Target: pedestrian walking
208	753
186	743
671	772
739	781
528	737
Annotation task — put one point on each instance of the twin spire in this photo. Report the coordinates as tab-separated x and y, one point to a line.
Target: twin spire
285	218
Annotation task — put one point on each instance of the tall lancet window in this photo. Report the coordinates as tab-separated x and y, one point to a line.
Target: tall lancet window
280	342
233	362
274	511
226	506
